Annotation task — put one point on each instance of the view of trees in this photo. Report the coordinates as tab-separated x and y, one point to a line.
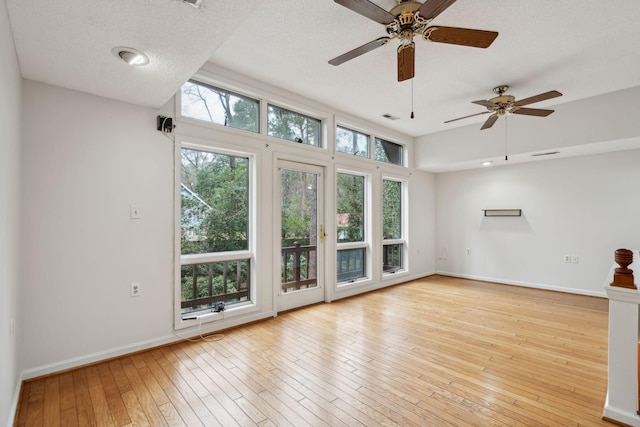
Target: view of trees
293	126
216	206
350	189
214	105
215	193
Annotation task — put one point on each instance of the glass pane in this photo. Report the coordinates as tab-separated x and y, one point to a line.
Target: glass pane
285	124
391	209
388	152
214	209
351	264
210	104
352	142
299	234
392	258
350	215
204	285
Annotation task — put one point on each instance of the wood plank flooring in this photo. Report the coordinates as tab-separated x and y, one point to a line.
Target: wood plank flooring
433	352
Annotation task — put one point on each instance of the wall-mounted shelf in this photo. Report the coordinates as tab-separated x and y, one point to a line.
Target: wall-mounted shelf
502	212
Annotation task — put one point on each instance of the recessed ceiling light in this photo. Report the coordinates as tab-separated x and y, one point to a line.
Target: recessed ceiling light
487	163
130	55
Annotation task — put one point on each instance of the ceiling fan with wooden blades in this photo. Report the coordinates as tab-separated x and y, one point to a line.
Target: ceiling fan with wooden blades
503	104
406	20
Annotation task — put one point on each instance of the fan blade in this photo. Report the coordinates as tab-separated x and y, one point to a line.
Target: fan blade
461	36
359	50
490	121
532	112
485	103
368	10
538	98
432	8
406	62
466	117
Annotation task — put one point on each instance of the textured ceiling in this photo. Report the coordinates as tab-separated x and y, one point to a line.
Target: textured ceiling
581	48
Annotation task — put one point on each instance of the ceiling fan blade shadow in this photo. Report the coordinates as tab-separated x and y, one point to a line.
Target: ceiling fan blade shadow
490	121
406	62
461	36
466	117
360	50
537	98
368	10
484	103
532	112
432	8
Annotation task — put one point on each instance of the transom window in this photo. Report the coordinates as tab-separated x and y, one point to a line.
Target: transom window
388	152
208	103
292	126
352	142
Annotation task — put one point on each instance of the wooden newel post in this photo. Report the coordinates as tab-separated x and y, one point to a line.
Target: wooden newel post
623	276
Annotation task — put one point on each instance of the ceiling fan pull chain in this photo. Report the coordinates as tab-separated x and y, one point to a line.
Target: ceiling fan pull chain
506	157
412	98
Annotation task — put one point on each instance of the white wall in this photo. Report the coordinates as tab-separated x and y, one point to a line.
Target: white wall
587	206
10	87
86	159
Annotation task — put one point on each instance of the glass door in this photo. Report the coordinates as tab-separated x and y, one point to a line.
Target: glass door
302	235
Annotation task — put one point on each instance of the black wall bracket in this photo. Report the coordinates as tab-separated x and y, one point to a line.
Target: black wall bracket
165	124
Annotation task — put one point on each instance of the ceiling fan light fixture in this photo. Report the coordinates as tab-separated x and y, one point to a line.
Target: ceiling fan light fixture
194	3
131	56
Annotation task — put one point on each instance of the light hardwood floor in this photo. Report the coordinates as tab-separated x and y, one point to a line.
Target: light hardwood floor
433	352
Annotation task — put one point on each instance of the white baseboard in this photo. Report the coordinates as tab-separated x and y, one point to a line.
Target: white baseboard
13	409
600	294
128	349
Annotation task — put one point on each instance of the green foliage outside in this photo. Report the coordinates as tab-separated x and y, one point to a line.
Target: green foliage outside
391	209
350	199
293	126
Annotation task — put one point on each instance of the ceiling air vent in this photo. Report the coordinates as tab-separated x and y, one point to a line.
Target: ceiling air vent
390	117
548	153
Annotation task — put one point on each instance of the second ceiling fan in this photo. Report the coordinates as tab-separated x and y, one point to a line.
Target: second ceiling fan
406	20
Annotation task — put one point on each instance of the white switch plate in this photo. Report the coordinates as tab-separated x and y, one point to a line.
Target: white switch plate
575	259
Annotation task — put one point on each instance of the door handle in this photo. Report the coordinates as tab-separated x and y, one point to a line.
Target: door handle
322	234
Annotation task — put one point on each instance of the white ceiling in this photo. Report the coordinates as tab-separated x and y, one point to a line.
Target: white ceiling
581	48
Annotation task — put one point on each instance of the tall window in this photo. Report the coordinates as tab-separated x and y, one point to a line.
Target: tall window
352	246
392	226
292	126
388	152
352	142
214	238
214	105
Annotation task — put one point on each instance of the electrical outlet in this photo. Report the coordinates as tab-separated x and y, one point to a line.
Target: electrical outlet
567	258
135	289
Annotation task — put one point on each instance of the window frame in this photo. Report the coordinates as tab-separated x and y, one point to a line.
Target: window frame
181	320
217	87
404	232
367	234
355	131
321	125
403	154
